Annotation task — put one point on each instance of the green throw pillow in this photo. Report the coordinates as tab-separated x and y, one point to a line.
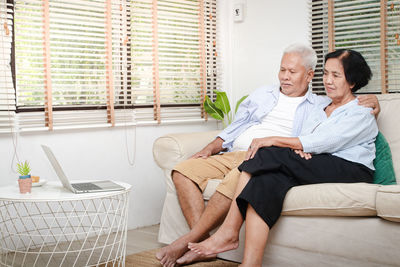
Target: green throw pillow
384	172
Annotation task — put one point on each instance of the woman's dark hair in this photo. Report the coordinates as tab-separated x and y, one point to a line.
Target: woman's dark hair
356	69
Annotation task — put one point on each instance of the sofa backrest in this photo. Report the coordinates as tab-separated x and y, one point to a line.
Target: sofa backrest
389	125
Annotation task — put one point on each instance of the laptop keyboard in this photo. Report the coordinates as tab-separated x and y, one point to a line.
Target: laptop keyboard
86	186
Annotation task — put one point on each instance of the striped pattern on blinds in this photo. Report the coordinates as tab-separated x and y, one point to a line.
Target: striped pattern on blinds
173	39
35	121
362	26
102	57
319	40
393	46
7	94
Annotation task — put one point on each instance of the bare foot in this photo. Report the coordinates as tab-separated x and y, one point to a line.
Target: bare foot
191	256
169	254
222	240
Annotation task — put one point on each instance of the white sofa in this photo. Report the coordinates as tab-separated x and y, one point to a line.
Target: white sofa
322	224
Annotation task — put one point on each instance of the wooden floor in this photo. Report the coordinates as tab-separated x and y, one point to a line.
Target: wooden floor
142	239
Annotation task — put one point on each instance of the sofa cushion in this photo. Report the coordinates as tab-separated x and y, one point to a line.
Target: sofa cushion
210	188
331	199
388	202
384	172
388	123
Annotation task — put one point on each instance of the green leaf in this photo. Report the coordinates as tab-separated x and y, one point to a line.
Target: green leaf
222	102
23	168
239	102
212	110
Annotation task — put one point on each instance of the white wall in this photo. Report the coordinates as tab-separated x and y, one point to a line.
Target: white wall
101	154
258	42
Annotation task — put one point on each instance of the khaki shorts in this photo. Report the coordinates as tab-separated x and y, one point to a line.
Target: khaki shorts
223	166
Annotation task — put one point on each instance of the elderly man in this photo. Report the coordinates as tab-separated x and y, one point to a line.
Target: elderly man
269	111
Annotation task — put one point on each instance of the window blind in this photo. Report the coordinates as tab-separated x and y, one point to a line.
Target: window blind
392	60
67	58
319	40
7	94
174	56
370	27
92	63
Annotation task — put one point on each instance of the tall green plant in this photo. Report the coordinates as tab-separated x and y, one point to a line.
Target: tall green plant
220	109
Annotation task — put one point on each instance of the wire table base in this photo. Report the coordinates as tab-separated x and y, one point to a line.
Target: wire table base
72	232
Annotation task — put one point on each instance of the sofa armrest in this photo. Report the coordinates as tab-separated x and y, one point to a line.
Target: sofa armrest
170	149
388	202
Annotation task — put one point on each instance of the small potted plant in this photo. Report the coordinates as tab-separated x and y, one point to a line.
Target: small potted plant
24	181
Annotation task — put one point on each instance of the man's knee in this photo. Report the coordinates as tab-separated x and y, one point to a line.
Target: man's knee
181	180
177	177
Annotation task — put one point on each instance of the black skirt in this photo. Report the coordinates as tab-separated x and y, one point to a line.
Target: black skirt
275	170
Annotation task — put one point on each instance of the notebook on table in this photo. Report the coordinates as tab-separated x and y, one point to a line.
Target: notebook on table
90	187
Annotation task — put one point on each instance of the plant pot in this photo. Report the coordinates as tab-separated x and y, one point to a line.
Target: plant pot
25	184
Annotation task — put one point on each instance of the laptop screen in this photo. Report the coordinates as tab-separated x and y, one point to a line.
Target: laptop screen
57	167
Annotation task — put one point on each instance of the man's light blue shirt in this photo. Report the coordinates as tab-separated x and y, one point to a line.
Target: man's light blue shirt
258	104
349	133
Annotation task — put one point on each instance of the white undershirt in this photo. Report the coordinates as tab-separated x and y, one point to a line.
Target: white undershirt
278	122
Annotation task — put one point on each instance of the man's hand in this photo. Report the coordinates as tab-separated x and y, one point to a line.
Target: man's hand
204	153
256	144
370	101
212	148
303	154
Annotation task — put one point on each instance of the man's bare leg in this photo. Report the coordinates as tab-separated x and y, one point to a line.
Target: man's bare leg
227	236
192	204
213	215
190	198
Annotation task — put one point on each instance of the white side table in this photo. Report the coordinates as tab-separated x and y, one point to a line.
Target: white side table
55	227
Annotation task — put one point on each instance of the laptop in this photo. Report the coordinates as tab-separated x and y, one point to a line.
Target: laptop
77	188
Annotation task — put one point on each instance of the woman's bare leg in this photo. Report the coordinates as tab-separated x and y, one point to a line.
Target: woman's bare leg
256	239
227	236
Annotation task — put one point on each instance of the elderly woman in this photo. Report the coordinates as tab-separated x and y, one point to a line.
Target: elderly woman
340	134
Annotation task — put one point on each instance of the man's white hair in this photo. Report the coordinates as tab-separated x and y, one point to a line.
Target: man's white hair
306	52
